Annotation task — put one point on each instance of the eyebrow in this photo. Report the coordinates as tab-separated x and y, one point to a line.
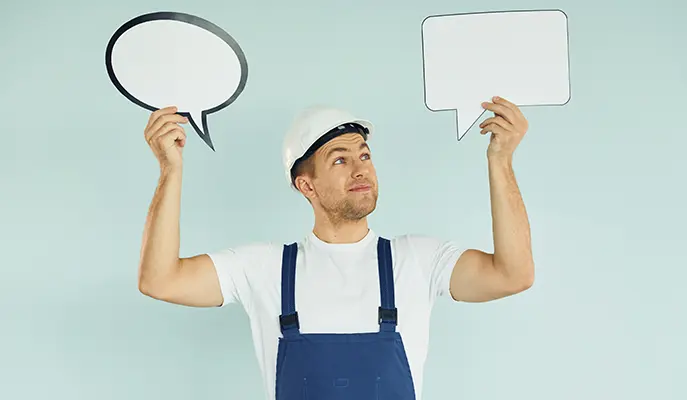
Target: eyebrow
343	149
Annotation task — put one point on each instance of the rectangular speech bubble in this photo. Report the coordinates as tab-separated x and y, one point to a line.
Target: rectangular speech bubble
521	56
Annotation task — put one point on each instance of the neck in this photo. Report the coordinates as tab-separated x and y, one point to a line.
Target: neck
342	232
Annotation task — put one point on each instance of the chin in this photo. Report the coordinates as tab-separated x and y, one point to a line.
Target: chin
360	208
368	208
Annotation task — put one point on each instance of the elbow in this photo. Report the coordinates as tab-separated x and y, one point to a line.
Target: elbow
145	288
521	280
156	283
526	279
526	283
149	285
155	290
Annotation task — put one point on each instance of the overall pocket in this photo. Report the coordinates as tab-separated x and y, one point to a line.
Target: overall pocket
330	388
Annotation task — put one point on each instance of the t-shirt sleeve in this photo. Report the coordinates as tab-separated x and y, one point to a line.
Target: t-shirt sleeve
436	257
239	270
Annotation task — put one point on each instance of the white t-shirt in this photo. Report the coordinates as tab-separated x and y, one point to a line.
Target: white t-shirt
337	291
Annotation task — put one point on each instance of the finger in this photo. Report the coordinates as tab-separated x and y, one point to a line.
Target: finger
498	121
501	110
162	111
516	110
166	128
501	100
171	138
161	121
158	113
499	130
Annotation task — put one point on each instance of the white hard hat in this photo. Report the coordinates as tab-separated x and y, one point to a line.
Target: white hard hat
309	126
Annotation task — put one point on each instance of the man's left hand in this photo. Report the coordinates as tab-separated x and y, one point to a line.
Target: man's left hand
507	126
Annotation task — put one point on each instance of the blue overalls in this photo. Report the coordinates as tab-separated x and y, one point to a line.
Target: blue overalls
357	366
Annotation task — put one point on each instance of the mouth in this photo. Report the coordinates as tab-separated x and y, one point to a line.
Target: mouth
360	188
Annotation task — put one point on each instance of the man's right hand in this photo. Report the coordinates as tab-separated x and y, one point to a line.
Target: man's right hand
166	137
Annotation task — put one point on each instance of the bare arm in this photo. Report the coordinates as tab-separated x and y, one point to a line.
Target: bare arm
163	275
479	276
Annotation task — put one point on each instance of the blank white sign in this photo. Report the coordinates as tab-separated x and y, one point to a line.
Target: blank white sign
521	56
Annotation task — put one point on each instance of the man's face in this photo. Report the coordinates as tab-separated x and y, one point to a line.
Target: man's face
345	183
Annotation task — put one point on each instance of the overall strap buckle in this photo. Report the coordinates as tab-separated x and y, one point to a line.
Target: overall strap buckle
289	321
388	315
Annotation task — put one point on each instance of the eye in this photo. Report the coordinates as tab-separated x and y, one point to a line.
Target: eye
366	156
338	159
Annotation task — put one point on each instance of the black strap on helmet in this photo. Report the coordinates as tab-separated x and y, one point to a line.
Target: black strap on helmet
342	129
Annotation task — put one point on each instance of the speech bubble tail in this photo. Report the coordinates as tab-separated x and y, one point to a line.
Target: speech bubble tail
200	125
466	119
461	133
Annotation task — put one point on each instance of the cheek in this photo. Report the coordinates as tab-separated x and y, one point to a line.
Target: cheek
339	183
337	177
330	181
373	173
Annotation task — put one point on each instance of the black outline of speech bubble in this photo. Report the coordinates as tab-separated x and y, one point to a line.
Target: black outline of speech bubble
193	20
424	70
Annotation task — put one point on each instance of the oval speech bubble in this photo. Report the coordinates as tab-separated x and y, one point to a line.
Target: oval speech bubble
170	58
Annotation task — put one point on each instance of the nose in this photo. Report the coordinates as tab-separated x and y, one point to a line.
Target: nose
361	169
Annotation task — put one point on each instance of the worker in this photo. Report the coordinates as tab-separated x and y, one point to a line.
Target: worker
342	313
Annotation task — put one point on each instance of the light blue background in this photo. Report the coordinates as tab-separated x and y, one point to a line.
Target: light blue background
602	178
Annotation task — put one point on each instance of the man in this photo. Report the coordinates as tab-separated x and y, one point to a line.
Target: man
343	313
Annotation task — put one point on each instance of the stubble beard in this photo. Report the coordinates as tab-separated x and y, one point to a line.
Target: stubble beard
352	208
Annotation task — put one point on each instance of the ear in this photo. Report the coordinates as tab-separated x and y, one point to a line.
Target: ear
305	186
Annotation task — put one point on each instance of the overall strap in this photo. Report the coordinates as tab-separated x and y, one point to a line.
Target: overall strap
289	317
388	315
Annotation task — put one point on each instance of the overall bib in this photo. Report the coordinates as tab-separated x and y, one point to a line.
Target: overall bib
357	366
